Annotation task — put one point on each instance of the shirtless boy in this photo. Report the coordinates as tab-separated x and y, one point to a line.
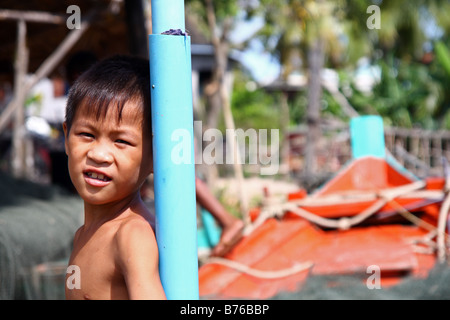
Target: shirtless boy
109	148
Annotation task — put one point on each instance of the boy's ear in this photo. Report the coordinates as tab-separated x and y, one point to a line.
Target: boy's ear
65	135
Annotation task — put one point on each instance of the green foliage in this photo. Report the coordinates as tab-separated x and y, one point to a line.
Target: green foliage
441	74
443	56
406	96
222	8
297	109
410	93
253	108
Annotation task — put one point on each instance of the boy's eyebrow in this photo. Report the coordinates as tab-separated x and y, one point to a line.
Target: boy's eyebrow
126	132
122	130
84	123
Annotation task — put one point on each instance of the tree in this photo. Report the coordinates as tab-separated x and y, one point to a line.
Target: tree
219	15
310	34
307	34
411	91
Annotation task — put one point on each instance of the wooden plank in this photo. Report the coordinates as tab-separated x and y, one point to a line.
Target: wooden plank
47	66
32	16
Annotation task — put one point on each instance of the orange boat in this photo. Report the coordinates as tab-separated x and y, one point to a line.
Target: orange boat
374	219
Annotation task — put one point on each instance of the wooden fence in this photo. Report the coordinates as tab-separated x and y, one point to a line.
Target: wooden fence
423	152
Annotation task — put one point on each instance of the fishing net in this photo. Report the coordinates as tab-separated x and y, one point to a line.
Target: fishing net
350	287
37	225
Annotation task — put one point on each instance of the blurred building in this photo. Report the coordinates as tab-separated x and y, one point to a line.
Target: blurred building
113	27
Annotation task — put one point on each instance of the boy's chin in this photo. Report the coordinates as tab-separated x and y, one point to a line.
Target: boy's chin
95	197
102	197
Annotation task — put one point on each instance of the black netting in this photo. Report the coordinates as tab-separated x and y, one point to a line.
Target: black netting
351	287
37	225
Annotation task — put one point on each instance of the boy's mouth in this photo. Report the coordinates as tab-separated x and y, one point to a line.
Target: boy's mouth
97	176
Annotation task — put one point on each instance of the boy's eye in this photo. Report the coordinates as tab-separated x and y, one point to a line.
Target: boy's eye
123	142
86	134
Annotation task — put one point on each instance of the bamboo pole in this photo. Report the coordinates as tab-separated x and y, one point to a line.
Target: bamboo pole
221	52
32	16
20	70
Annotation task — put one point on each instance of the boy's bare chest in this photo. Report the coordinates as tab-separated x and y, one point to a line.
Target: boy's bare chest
99	277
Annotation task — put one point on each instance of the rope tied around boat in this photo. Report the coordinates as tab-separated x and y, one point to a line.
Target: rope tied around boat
344	223
263	274
384	197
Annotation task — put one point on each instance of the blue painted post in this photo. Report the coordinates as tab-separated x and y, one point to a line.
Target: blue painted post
173	151
367	136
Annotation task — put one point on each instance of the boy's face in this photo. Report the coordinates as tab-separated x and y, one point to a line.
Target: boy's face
108	160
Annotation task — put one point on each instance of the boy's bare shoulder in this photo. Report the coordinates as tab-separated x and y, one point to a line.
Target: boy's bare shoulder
134	231
139	219
134	223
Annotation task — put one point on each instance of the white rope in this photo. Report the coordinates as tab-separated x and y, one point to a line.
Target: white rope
442	223
384	196
264	274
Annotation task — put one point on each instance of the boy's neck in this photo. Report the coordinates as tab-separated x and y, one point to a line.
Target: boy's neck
99	214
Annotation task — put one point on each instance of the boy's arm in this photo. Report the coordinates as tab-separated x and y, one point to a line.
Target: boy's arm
138	260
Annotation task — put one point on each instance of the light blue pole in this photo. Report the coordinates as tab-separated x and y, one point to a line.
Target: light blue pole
167	14
173	151
367	136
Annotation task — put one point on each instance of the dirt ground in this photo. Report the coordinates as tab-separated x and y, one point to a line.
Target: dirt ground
254	190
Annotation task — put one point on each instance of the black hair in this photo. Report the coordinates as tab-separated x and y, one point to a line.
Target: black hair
78	63
113	81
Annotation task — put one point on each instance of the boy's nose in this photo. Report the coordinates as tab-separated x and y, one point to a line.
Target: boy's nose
100	154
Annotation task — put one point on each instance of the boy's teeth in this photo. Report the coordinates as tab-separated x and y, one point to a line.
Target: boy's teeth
98	176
